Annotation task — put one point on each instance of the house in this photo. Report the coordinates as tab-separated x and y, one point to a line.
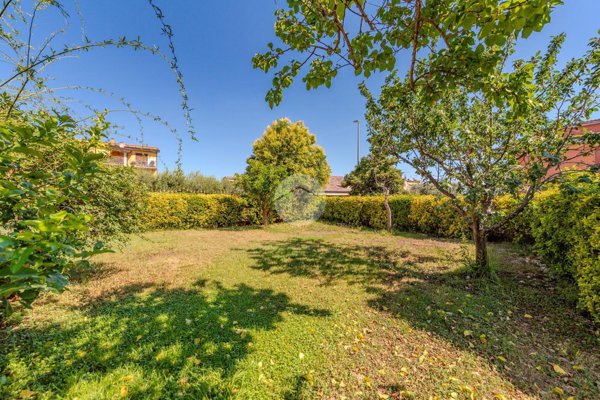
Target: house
133	155
581	156
411	184
334	187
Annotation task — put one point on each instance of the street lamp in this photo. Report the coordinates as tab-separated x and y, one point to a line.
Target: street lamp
357	122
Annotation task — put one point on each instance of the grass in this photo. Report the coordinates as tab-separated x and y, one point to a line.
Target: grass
301	312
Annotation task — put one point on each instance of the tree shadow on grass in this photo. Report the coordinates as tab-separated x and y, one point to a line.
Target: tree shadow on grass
146	343
316	258
518	324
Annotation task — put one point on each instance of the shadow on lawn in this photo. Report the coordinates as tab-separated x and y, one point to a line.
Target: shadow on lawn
159	342
519	325
315	258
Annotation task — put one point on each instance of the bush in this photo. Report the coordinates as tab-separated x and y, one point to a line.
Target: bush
425	214
188	211
43	166
194	182
115	200
565	226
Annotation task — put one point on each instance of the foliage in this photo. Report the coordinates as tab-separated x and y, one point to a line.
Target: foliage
188	211
286	149
115	201
474	148
370	177
43	168
27	50
193	182
433	215
566	232
460	42
421	214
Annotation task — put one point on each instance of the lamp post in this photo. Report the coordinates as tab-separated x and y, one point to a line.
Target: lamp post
357	122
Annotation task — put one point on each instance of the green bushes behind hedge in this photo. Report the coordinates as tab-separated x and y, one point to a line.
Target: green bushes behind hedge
188	211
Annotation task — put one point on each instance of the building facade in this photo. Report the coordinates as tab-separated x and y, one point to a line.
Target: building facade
581	156
132	155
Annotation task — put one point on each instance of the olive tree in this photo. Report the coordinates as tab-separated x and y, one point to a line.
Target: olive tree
473	148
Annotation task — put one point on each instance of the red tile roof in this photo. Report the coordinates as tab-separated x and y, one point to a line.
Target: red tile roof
335	185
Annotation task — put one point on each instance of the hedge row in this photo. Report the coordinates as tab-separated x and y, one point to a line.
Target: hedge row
428	214
566	232
187	211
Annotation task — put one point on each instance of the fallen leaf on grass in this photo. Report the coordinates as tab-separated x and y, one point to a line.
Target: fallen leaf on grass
558	369
558	391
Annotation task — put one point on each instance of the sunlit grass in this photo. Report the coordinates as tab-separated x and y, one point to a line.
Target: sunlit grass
300	312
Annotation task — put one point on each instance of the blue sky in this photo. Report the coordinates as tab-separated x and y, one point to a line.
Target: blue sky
215	41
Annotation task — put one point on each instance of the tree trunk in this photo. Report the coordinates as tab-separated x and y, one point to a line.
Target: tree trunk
265	213
482	264
388	210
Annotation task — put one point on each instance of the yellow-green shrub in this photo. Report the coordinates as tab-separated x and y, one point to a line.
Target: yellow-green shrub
425	214
566	230
187	211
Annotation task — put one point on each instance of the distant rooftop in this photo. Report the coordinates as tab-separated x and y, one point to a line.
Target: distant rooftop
334	187
129	146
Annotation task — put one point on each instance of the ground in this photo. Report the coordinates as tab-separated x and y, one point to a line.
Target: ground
297	312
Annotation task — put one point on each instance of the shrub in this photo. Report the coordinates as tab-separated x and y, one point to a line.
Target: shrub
194	182
425	214
565	226
115	200
42	167
188	211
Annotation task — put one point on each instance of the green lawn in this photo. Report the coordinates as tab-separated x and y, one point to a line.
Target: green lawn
300	312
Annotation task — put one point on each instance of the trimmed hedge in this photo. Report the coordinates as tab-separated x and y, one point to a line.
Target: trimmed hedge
433	215
566	232
188	211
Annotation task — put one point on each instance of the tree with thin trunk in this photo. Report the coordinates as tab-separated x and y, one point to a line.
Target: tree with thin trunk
473	148
376	174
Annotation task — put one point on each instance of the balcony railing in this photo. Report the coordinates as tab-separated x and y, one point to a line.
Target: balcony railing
116	161
143	164
137	164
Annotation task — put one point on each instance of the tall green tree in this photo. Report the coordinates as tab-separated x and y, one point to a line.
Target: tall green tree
439	42
377	174
473	148
285	149
374	175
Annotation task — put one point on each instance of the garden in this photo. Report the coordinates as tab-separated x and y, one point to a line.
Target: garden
320	311
482	281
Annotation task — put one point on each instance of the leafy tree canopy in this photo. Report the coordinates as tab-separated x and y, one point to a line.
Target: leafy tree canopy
441	41
374	176
471	150
285	149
